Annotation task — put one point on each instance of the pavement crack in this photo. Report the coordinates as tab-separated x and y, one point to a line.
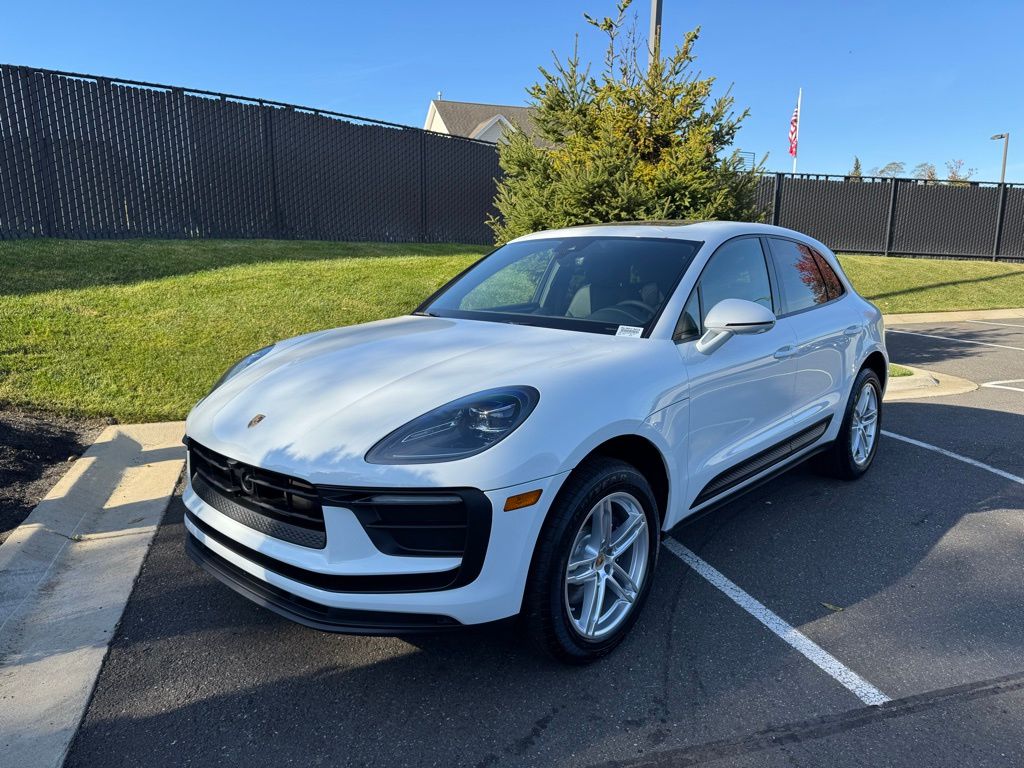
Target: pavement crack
529	740
86	537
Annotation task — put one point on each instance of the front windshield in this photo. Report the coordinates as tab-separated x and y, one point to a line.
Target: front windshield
614	285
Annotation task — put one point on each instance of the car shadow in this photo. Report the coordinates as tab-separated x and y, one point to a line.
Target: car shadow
917	350
917	545
38	266
944	284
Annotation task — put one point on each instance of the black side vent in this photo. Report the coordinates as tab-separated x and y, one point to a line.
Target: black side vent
761	461
400	524
414	523
410	522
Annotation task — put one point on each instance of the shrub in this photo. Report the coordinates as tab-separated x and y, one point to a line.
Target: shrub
632	143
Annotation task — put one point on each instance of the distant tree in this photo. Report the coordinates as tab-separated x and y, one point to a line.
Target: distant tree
957	174
630	142
855	173
926	172
894	168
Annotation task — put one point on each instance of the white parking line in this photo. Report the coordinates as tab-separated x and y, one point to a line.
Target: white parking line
951	338
1005	384
989	322
957	456
849	679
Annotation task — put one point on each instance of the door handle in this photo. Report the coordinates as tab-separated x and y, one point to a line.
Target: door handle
851	330
783	353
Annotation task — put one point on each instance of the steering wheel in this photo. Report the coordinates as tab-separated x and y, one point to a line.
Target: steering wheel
629	304
626	309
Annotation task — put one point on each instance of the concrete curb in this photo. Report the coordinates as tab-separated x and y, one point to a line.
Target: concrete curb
953	317
925	384
65	576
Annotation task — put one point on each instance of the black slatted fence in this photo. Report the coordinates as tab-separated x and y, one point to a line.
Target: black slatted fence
91	157
911	217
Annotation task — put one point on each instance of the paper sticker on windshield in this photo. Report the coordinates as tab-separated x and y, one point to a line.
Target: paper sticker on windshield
629	330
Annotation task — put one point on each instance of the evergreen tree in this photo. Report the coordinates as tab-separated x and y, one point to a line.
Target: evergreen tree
855	172
628	144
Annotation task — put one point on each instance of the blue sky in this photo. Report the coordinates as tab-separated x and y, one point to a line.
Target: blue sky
909	80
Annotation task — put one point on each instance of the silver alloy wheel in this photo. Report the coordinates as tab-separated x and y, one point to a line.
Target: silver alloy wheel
864	426
607	565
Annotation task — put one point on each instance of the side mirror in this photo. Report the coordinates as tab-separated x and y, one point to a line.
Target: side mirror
730	317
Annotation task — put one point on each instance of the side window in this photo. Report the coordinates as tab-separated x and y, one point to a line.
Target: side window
799	277
832	281
736	271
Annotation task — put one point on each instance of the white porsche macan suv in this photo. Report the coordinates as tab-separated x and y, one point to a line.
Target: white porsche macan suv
518	444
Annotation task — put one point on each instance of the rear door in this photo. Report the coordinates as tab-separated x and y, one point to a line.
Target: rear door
741	395
825	327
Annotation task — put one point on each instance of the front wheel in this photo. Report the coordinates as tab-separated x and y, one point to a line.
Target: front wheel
857	442
594	562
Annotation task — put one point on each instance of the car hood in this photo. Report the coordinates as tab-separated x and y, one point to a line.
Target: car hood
328	397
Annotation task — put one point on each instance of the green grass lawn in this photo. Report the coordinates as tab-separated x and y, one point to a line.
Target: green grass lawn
932	285
897	371
139	329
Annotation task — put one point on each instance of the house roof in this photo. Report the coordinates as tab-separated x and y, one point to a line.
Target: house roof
464	118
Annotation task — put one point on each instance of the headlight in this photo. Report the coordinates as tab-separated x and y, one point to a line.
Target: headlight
461	428
241	365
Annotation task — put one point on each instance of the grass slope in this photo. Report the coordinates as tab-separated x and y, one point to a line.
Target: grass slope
933	285
898	371
139	329
109	340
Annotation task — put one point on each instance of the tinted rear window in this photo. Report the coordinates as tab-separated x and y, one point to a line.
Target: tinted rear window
800	279
832	282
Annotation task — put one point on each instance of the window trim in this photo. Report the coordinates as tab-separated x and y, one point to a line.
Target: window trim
769	267
775	266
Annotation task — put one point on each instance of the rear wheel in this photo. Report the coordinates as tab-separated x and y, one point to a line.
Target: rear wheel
854	449
594	561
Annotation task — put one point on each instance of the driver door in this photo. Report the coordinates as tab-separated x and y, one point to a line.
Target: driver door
741	394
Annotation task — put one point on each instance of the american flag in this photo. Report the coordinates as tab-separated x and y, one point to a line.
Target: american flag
794	129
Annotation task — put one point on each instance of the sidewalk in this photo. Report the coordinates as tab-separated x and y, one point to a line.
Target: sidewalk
954	317
65	576
923	383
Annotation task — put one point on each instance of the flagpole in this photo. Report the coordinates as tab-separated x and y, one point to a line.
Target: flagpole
799	117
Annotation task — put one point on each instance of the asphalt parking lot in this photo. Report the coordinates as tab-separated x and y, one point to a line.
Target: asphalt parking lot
910	580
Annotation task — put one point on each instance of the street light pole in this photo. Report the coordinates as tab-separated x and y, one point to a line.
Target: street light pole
654	37
1006	145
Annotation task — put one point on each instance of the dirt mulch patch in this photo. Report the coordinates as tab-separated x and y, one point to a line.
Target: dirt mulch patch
35	450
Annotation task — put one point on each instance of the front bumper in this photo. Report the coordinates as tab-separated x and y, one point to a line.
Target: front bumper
351	586
306	612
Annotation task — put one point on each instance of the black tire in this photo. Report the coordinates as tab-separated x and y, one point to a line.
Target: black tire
545	616
838	460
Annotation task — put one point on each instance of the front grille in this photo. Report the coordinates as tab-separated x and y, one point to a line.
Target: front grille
407	522
278	505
